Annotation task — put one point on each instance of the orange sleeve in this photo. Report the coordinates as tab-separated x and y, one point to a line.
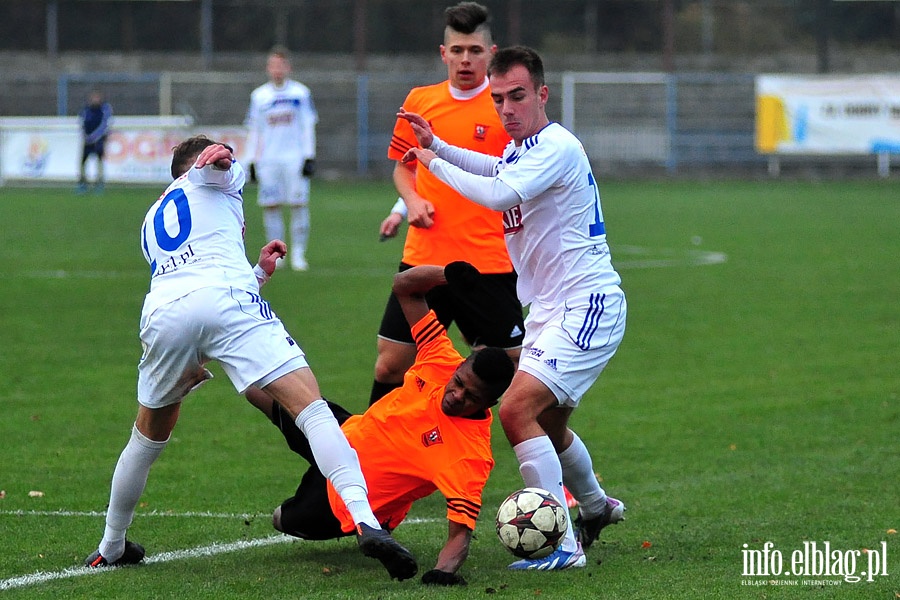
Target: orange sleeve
462	230
408	448
436	357
462	483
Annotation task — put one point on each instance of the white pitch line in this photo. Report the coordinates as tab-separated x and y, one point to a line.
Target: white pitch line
210	550
667	258
163	557
153	513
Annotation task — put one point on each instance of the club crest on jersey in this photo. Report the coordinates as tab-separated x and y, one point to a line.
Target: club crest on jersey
432	437
512	220
481	132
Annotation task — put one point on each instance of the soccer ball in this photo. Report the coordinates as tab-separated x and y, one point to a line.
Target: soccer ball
531	523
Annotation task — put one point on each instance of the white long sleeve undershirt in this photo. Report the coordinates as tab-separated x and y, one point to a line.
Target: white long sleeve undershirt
472	174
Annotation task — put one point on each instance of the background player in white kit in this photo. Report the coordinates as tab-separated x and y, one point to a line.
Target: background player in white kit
203	305
557	241
281	142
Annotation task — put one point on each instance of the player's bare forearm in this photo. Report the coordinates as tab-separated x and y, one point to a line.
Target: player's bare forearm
420	212
456	550
418	280
410	287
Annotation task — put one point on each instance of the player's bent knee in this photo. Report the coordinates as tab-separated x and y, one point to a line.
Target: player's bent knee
391	367
276	520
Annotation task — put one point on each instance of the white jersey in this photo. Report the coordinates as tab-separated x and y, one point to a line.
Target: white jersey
556	236
193	236
281	123
552	217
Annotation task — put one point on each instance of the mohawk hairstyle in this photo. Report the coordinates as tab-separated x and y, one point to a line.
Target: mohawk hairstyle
467	17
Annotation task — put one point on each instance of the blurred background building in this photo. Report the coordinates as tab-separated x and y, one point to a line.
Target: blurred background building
670	90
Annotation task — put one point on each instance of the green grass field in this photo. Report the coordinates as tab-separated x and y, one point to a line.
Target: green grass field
754	400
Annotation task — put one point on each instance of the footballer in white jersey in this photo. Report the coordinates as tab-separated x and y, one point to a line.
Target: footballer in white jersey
193	235
281	120
564	246
204	301
556	238
204	305
281	141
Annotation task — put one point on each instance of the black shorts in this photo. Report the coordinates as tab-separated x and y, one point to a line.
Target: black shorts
488	316
307	514
95	148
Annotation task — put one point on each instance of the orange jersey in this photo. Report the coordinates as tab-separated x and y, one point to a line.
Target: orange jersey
462	230
408	447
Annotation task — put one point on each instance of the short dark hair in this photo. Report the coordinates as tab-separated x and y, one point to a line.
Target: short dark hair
495	369
468	17
507	58
185	154
281	52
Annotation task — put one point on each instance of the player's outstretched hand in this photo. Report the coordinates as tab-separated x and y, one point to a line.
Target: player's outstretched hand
419	126
422	155
436	577
269	254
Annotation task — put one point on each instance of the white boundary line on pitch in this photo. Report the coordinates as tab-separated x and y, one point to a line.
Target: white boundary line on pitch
163	557
153	513
657	259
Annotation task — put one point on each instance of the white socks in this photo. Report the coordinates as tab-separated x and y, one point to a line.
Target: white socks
578	474
540	467
273	222
336	459
299	229
128	482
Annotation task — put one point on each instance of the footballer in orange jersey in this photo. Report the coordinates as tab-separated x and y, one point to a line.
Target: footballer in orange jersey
433	433
445	226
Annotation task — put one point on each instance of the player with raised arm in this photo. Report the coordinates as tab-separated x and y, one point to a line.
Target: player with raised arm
431	433
556	237
281	141
444	226
203	305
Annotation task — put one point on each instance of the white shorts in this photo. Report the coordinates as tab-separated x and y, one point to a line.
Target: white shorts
282	183
567	348
236	328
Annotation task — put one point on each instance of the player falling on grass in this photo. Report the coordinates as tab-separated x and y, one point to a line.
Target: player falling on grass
444	225
557	240
203	305
432	433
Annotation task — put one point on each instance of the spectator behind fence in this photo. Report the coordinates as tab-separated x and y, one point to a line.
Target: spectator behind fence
94	119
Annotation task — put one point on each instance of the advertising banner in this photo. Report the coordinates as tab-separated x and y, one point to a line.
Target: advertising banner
828	114
138	150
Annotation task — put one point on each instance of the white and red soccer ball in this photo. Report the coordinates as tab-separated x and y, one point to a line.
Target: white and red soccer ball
531	523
